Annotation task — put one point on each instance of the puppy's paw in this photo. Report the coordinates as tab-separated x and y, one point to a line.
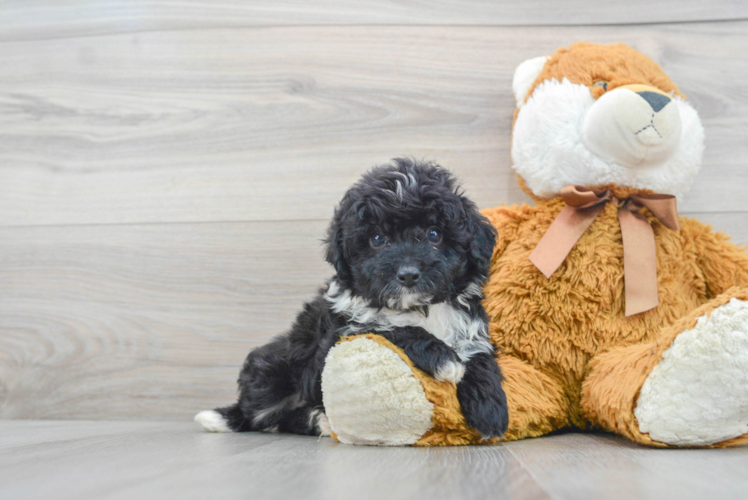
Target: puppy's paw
441	362
490	424
489	417
428	353
450	371
323	424
320	423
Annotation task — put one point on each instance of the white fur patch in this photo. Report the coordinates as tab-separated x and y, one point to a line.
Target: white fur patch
525	75
548	151
371	396
319	421
408	300
409	181
698	394
472	291
455	327
450	372
212	421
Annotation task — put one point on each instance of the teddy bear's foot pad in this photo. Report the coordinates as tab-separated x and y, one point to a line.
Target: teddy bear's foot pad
698	394
371	396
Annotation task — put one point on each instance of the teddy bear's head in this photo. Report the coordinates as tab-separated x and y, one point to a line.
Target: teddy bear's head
602	115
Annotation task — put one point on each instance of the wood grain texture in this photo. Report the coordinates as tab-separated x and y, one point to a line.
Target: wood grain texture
152	321
41	19
177	460
145	460
147	321
605	466
275	123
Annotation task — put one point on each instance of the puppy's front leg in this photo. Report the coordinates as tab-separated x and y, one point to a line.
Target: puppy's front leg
427	352
482	398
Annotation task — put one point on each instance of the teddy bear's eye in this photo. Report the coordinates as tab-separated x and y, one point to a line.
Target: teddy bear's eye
602	84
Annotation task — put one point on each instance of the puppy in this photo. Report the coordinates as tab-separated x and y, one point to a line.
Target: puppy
411	254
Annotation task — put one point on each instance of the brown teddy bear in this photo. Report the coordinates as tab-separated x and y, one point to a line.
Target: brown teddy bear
607	310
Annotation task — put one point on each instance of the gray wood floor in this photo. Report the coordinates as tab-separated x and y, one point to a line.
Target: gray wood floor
111	460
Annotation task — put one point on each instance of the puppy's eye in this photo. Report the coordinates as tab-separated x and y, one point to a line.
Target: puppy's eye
602	84
377	240
434	235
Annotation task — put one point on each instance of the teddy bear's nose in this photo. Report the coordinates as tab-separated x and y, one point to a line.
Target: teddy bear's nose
656	100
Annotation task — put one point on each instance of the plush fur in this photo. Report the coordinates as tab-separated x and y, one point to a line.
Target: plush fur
524	78
549	149
672	376
696	372
411	254
403	412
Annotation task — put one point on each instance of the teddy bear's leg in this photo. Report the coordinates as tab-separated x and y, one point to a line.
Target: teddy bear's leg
688	388
371	394
537	404
374	395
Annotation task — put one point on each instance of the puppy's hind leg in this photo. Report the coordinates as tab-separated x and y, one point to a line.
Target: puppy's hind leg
305	420
226	419
265	391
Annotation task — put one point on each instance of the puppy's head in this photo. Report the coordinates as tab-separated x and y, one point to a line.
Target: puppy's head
404	236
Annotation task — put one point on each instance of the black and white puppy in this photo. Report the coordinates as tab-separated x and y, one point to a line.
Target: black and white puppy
411	254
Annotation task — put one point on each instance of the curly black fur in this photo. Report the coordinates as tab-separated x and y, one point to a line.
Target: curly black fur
402	201
405	243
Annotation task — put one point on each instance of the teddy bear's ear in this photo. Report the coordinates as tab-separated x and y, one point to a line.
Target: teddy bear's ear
524	77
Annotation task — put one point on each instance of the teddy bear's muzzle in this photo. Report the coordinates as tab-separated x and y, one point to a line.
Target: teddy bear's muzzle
635	126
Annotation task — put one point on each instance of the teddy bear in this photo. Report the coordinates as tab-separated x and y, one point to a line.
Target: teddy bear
607	309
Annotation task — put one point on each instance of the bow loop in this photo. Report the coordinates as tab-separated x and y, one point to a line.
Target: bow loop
583	205
662	206
579	197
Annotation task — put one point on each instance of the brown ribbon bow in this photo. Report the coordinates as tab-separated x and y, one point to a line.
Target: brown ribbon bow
639	257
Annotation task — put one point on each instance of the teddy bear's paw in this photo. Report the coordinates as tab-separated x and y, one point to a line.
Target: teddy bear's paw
372	397
698	394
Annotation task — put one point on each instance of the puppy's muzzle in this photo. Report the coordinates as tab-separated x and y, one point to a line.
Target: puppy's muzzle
408	276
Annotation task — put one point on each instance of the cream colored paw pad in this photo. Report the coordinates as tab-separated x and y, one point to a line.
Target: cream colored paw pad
372	397
698	394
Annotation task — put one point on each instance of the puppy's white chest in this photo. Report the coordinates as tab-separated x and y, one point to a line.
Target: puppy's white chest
451	325
443	322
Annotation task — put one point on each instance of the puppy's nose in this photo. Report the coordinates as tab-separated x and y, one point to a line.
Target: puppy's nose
408	275
656	100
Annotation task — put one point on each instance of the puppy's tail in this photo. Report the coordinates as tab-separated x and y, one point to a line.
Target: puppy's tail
226	419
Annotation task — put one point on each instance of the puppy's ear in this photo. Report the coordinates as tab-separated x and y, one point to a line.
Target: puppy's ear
482	239
335	252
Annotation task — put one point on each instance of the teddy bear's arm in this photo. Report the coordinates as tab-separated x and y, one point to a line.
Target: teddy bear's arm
723	263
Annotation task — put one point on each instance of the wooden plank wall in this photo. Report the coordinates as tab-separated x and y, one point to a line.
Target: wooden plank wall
167	168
